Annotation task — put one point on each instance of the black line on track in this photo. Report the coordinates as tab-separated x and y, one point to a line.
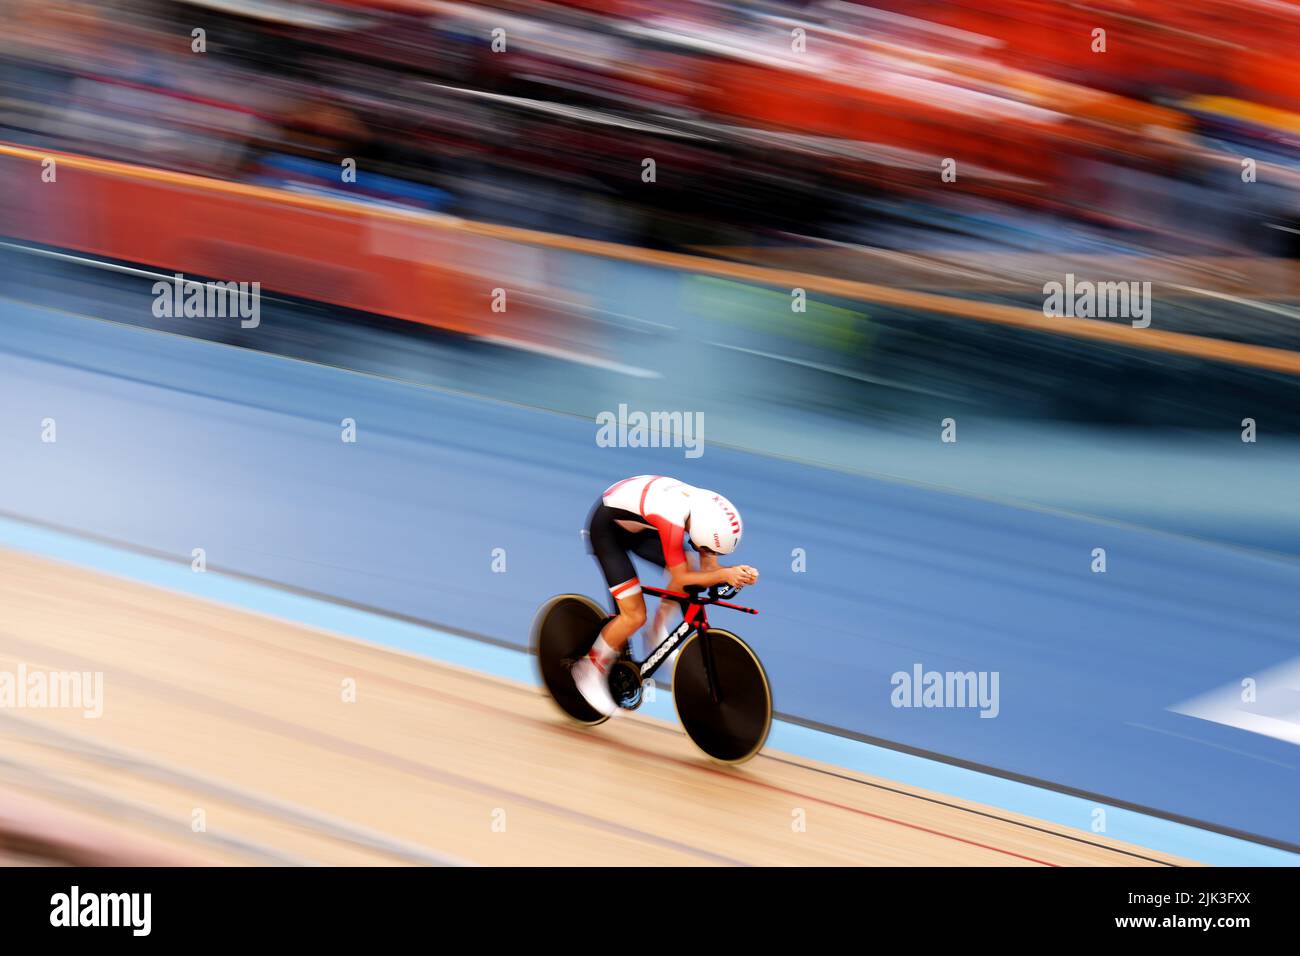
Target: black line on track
953	806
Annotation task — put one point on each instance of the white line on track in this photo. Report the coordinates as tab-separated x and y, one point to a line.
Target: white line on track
832	370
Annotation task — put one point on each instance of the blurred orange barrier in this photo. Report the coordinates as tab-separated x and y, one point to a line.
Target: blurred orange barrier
426	268
406	264
1174	343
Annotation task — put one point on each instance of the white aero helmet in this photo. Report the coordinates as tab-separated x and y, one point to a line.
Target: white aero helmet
715	522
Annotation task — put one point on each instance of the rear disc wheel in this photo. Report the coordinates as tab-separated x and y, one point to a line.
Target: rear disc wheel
563	631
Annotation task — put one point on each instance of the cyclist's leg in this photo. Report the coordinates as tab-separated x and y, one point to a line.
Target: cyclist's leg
630	619
651	548
609	547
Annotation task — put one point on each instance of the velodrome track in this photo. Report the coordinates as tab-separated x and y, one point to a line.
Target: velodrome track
167	444
241	717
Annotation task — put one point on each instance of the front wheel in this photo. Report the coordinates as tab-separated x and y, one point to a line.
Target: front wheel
563	631
734	727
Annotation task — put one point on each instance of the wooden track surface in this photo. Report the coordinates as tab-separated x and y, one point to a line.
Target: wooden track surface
214	709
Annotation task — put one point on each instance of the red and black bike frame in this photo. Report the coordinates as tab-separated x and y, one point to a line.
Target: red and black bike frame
694	618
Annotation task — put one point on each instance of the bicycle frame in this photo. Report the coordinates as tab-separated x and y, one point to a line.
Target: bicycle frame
694	618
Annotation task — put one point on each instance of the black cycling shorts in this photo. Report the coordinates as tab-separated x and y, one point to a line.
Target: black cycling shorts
613	545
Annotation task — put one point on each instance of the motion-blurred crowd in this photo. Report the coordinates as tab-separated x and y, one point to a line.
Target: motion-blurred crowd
1114	127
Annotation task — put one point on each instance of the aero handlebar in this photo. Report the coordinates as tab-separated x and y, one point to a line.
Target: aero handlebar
689	598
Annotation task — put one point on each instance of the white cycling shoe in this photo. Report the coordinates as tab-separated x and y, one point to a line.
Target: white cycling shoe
593	685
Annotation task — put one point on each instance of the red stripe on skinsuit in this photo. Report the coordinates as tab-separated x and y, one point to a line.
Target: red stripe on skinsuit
645	491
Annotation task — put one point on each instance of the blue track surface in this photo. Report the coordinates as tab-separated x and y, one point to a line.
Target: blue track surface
172	444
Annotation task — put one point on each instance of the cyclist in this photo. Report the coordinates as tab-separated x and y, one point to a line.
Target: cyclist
653	516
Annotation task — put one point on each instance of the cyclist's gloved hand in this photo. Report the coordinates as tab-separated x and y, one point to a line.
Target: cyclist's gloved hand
740	576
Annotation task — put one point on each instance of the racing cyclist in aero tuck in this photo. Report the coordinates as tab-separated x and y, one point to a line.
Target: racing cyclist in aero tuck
653	517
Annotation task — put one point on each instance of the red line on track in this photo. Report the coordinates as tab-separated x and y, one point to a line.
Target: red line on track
876	816
625	746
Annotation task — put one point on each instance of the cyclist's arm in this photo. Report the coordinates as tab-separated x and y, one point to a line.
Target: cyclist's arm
681	576
747	573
